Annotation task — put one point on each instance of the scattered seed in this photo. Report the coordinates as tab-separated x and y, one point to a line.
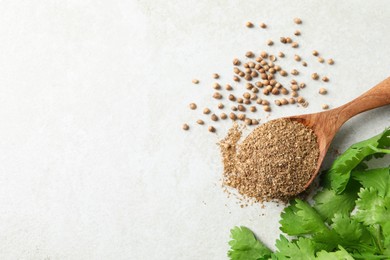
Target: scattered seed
297	57
254	74
214	117
234	108
253	109
304	64
249	86
200	122
232	116
272	58
248	121
223	116
241	74
315	53
315	76
217	95
249	24
284	91
232	97
294	72
267	108
297	20
297	32
220	106
235	78
241	108
246	95
258	101
283	40
263	25
330	61
325	79
288	40
294	87
294	93
186	127
295	45
248	77
283	73
241	116
291	100
247	102
284	101
249	54
216	75
195	81
265	102
228	87
322	91
277	102
255	122
325	106
281	54
216	86
240	100
264	55
275	91
300	100
236	62
321	60
193	106
270	42
211	129
206	111
302	85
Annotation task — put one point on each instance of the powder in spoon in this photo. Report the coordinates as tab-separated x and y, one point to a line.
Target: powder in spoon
274	162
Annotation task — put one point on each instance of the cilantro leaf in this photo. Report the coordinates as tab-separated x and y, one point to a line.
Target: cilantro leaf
300	218
349	229
341	254
338	175
376	178
327	202
245	246
303	248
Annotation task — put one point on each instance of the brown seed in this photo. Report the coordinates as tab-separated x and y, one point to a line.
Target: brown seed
186	127
294	72
277	68
269	88
330	61
305	104
283	73
263	63
248	70
315	53
235	78
249	86
257	66
241	116
321	60
325	106
228	87
254	74
266	92
295	45
248	121
325	79
253	96
281	54
232	97
297	32
255	90
291	100
266	67
267	108
297	20
251	64
302	85
236	62
288	40
200	122
216	75
284	91
275	91
206	111
241	74
263	25
249	24
232	116
272	82
211	129
246	95
252	109
241	108
278	103
246	65
264	55
283	40
297	57
234	108
195	81
294	93
265	102
249	54
220	106
236	70
255	122
293	82
270	42
258	101
223	116
304	63
240	100
193	106
315	76
322	91
214	117
216	86
284	101
247	102
294	87
217	95
259	59
272	57
300	100
248	77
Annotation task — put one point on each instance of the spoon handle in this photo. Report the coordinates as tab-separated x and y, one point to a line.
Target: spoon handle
376	97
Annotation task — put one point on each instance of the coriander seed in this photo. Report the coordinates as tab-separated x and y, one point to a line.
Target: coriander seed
255	122
193	106
200	122
297	32
263	25
195	81
246	95
186	127
232	97
281	54
241	116
248	121
315	53
249	54
284	101
228	87
236	62
297	57
216	75
206	111
304	63
258	101
278	103
291	100
220	106
217	95
302	85
253	109
247	102
294	72
240	100
264	55
325	106
249	24
283	73
241	108
321	60
223	116
315	76
295	45
270	42
322	91
283	40
288	40
214	117
216	86
211	129
235	78
232	116
325	79
300	100
297	20
265	102
267	108
330	61
272	58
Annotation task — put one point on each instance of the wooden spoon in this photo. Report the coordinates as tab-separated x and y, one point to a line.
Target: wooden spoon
326	124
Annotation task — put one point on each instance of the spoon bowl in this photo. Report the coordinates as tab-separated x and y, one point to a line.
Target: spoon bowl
326	124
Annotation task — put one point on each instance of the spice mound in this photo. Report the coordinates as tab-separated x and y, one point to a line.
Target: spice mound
274	162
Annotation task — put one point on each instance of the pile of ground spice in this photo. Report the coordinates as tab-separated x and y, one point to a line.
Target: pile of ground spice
274	162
